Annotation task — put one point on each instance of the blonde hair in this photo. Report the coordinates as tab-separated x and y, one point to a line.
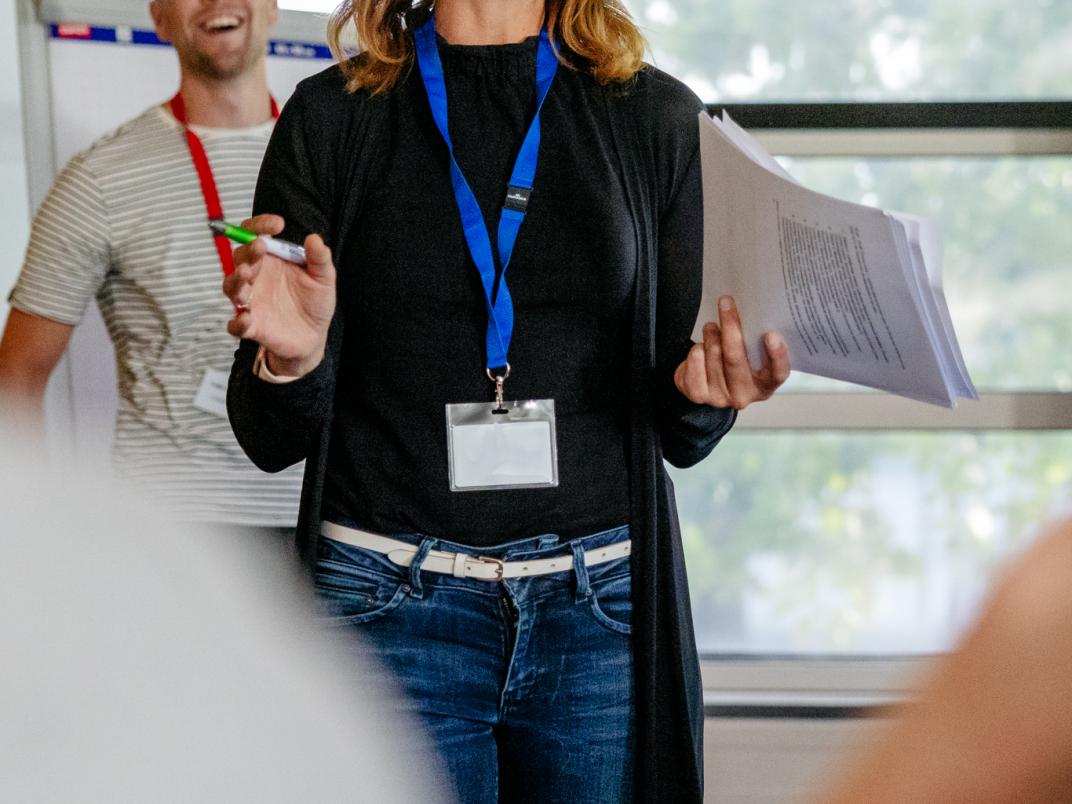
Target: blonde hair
599	35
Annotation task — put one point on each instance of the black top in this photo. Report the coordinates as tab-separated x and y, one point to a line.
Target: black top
417	314
318	172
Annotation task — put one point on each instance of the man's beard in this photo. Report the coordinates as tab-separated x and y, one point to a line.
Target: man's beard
219	69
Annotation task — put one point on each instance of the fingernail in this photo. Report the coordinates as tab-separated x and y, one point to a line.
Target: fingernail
774	341
725	304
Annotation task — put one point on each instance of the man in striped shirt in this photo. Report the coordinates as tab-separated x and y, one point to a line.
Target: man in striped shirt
126	224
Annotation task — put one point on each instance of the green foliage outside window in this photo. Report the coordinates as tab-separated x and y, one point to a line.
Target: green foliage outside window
882	542
862	49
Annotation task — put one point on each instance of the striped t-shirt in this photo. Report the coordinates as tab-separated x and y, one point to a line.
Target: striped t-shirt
125	223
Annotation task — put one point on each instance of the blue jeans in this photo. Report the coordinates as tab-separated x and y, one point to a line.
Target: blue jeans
525	685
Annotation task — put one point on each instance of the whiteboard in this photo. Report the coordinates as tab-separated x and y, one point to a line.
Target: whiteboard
100	77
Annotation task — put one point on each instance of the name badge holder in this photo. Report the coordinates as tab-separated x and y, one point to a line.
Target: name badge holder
212	393
501	444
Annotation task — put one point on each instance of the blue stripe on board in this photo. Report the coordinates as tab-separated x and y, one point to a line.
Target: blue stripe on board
143	38
131	36
299	50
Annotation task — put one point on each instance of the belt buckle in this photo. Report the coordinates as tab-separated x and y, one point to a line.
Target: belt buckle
499	564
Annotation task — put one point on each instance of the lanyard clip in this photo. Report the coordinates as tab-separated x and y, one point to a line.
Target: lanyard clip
499	380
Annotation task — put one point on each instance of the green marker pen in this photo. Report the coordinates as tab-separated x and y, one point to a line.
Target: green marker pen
280	248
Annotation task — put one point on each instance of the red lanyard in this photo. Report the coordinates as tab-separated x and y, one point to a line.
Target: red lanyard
208	182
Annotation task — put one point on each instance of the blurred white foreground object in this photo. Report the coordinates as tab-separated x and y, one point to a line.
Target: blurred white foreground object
146	662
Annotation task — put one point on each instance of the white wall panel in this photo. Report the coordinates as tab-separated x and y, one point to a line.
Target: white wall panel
14	200
774	761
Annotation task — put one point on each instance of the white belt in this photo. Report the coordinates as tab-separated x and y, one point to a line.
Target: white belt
461	565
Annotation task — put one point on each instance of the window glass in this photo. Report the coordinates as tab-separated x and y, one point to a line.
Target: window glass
858	543
885	50
1008	254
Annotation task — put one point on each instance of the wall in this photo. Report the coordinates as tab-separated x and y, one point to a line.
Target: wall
777	761
14	200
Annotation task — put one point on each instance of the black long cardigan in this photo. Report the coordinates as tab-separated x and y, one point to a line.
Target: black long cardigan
322	151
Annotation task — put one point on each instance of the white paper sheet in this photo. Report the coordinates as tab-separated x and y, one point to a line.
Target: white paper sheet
847	286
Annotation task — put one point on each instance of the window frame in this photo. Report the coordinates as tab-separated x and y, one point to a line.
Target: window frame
751	685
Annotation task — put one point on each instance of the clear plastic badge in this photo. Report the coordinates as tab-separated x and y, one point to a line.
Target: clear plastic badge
502	447
212	393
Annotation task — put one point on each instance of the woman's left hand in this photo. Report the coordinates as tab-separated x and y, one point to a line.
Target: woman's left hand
717	372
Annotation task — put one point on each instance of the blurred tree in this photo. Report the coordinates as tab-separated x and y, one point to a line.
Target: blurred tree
862	49
835	542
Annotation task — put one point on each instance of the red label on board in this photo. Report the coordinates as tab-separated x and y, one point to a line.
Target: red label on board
73	30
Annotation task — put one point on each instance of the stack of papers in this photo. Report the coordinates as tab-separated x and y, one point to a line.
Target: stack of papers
855	291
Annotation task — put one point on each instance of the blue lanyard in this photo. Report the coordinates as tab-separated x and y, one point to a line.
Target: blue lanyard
499	303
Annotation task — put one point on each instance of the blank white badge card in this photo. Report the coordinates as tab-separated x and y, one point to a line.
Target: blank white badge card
502	448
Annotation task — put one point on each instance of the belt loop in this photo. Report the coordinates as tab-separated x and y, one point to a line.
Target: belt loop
416	589
580	571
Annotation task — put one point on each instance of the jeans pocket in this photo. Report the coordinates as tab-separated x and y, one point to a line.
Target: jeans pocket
352	595
611	603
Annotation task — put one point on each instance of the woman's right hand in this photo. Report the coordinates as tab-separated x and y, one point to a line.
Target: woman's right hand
282	306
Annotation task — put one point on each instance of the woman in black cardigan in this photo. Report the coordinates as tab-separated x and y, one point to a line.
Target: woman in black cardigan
485	499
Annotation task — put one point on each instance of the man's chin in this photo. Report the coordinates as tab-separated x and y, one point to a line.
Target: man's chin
220	67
